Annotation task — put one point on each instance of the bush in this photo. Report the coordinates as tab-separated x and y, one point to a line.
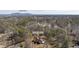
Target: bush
65	44
55	32
20	31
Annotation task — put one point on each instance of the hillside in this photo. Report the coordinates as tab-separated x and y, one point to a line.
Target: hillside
39	31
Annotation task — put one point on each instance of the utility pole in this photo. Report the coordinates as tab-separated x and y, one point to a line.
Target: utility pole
27	38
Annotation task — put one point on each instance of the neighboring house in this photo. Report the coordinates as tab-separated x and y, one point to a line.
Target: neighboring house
56	26
76	46
37	32
44	25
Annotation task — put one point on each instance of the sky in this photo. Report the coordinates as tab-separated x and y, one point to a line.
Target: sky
40	11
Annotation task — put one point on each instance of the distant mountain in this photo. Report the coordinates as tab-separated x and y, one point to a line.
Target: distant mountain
17	14
21	14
